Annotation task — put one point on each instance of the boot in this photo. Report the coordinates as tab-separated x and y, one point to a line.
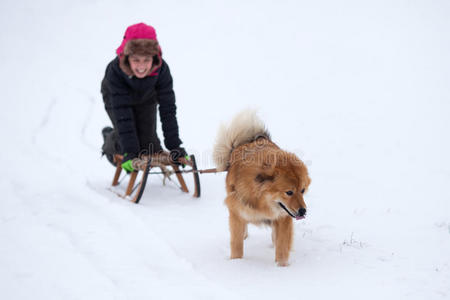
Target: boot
106	132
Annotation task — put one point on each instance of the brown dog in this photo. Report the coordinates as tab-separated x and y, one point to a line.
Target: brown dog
265	185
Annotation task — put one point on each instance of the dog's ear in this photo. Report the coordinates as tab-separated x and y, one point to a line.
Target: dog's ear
302	173
308	181
261	178
269	161
266	169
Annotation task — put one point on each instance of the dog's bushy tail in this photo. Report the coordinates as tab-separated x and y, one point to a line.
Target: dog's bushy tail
244	128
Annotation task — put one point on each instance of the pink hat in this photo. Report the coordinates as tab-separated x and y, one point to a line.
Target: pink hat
137	31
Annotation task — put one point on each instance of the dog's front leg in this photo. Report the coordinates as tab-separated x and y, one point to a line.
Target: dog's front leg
283	234
237	232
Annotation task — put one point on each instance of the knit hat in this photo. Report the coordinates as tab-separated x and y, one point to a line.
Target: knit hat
139	39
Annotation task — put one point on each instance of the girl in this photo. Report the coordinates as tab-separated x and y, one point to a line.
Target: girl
135	83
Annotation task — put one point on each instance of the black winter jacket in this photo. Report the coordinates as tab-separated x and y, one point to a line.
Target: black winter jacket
125	92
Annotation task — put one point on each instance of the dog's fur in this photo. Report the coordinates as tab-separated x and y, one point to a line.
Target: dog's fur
261	179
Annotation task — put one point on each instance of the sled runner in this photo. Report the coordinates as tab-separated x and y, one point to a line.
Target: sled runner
146	163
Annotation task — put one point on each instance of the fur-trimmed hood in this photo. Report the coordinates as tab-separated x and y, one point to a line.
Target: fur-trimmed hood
139	39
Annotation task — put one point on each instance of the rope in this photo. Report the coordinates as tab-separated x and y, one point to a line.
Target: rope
189	171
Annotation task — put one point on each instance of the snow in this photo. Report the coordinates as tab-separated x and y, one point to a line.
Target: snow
358	89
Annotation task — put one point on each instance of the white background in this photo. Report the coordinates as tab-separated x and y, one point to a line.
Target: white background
358	89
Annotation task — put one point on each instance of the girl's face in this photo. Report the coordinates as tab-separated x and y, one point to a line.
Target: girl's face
140	65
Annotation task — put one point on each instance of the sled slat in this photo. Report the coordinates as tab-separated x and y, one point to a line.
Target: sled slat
196	177
118	161
131	183
180	179
142	184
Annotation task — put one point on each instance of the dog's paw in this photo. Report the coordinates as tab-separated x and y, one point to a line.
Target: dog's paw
283	263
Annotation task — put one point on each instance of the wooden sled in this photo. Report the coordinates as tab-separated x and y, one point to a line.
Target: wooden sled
145	163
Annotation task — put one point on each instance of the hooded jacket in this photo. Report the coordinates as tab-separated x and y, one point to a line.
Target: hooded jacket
126	92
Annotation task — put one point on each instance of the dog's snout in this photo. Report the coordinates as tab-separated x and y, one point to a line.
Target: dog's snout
302	212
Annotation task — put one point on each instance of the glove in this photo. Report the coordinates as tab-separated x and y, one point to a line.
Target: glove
127	163
177	153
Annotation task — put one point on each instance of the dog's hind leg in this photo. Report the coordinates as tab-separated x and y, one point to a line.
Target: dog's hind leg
237	231
283	234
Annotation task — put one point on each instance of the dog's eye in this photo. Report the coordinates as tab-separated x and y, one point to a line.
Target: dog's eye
303	191
289	193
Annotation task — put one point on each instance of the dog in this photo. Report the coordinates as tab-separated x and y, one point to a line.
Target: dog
265	185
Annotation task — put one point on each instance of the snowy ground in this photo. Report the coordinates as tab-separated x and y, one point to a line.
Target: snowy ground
358	89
